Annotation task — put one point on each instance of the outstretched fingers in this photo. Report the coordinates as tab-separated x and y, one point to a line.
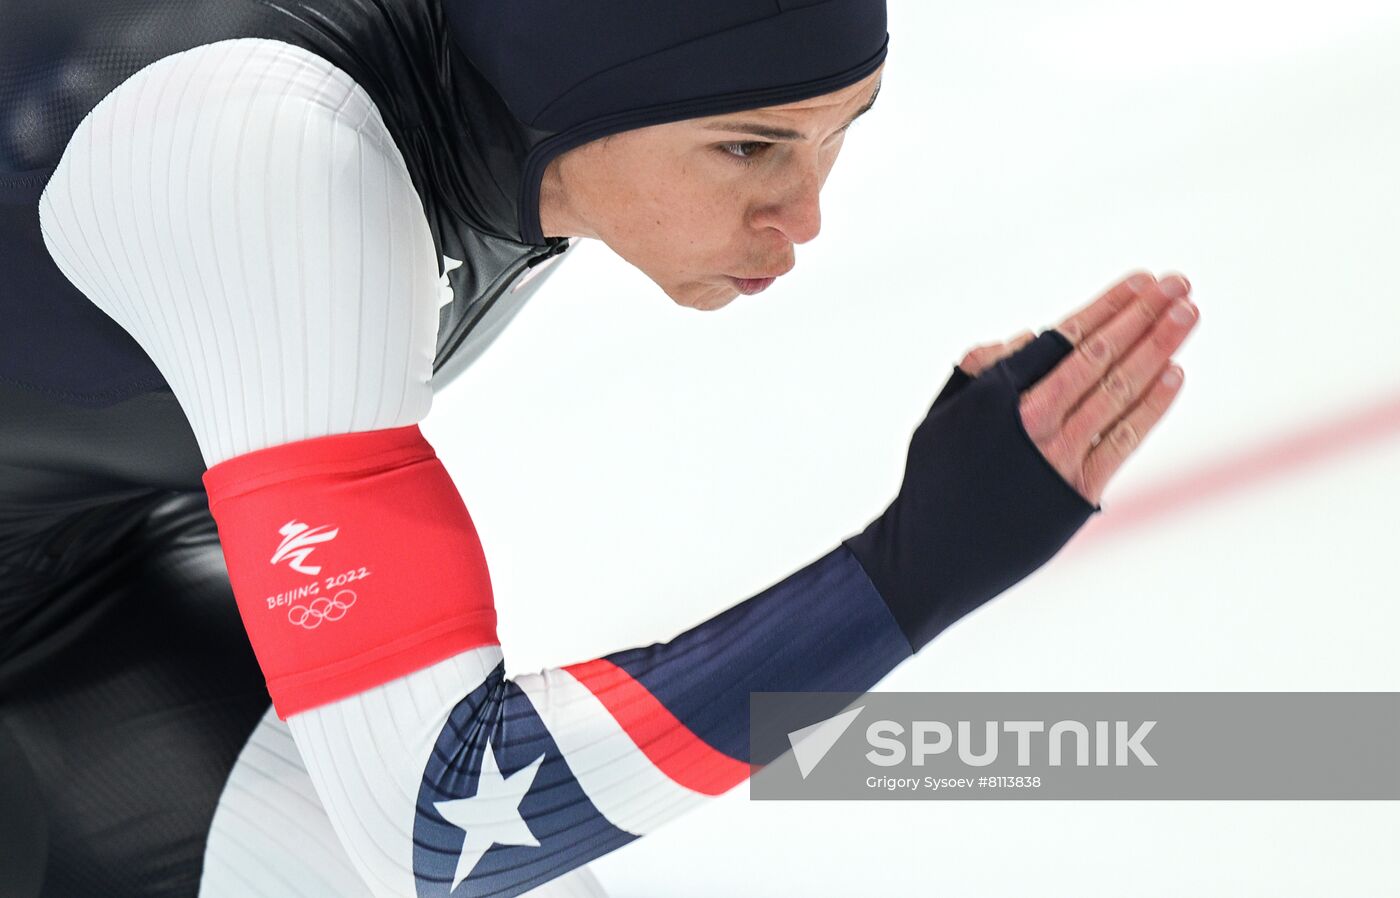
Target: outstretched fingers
1100	401
1127	434
1123	385
1045	406
1099	312
1095	408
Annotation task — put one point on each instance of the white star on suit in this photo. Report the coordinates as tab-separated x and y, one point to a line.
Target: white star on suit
492	815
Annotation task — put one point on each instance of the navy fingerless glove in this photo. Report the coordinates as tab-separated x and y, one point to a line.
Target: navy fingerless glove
980	507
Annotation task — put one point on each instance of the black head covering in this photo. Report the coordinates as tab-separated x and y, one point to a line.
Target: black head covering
571	71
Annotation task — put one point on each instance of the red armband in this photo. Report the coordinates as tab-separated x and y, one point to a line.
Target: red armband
353	561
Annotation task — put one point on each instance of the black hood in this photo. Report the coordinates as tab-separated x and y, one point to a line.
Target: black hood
569	72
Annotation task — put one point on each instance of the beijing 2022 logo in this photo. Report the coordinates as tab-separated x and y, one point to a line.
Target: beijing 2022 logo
298	542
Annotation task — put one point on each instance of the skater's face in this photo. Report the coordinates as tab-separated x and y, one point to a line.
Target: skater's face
697	203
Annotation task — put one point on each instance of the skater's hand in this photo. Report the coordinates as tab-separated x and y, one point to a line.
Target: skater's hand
1098	404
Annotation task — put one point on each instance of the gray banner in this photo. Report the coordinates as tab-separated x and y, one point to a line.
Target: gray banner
1086	745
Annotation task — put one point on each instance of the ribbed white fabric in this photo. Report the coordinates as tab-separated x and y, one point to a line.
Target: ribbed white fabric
366	754
271	837
241	209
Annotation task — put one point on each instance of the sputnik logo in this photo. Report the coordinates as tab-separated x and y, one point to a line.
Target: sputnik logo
298	542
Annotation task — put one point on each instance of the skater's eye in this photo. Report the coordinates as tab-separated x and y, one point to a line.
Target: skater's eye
746	153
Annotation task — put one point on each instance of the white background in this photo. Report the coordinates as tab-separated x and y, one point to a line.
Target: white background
635	467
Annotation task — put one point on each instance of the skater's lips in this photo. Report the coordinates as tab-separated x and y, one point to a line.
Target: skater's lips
751	286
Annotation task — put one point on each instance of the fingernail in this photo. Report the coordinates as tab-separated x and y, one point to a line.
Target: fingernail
1174	287
1183	313
1171	378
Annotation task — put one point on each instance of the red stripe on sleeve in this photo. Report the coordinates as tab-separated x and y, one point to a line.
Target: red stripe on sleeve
669	744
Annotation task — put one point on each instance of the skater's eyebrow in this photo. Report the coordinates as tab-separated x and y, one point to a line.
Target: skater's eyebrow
761	130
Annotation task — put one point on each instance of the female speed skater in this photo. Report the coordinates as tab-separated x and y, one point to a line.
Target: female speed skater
247	634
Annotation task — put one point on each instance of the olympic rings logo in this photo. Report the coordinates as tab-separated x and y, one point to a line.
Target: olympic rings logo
322	609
